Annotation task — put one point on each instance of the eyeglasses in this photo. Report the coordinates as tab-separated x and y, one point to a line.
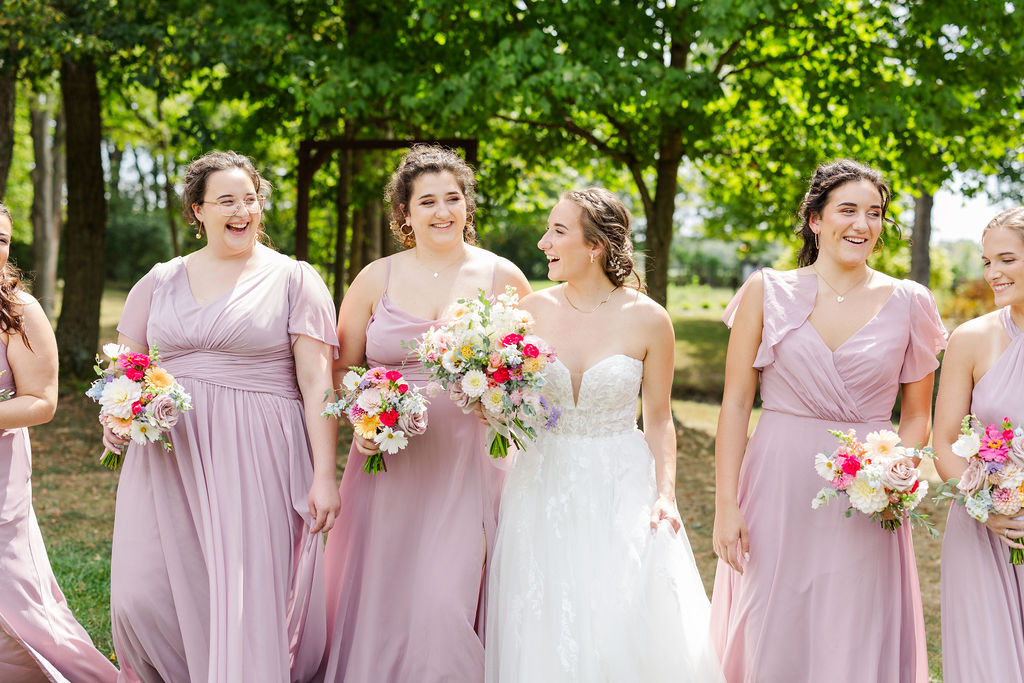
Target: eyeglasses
229	207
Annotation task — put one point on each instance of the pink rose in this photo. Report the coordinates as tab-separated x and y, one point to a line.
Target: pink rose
495	360
900	475
974	478
458	396
164	411
1016	452
413	424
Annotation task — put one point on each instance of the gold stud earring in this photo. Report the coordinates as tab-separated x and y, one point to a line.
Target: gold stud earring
591	258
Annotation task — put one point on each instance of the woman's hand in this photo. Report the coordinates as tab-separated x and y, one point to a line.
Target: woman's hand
365	446
665	509
1009	530
112	442
324	503
731	538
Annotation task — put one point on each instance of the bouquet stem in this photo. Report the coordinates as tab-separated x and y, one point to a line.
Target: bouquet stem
499	446
891	525
111	460
1016	556
375	464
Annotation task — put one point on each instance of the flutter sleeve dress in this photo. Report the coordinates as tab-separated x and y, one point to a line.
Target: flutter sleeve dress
982	593
40	640
823	597
406	560
214	574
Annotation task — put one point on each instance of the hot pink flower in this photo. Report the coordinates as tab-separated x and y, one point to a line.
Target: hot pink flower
851	465
993	446
842	482
140	360
531	351
134	375
389	417
393	375
402	388
501	375
511	339
137	408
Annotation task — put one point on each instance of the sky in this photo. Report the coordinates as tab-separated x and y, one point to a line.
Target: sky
955	217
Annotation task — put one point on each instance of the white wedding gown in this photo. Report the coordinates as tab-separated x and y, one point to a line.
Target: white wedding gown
580	589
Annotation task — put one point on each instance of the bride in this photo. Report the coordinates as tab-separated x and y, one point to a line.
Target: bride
593	578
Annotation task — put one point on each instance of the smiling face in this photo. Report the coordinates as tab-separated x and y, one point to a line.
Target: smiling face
1003	254
5	239
436	210
850	223
563	242
237	232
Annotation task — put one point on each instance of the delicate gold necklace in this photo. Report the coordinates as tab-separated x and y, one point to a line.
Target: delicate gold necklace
841	296
565	293
436	273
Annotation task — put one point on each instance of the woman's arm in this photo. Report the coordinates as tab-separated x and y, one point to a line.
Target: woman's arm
956	383
731	541
916	412
313	375
659	368
34	370
509	275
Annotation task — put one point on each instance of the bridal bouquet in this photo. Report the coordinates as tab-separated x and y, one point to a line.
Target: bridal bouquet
138	399
382	407
994	478
6	393
485	354
878	476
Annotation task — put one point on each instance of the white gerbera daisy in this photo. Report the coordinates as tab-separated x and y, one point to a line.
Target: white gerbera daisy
967	445
824	466
143	432
882	444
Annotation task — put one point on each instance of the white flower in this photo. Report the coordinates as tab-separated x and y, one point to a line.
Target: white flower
351	380
824	496
143	432
967	445
978	505
882	443
413	401
493	400
825	468
450	363
918	496
391	440
118	396
866	497
474	383
112	350
370	400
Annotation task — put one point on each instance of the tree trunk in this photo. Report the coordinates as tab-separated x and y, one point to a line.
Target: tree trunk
342	205
167	167
114	155
45	235
660	223
357	248
78	327
920	255
8	90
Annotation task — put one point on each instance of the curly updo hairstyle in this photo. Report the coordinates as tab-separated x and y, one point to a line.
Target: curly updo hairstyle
607	224
826	178
1011	219
422	159
200	170
11	320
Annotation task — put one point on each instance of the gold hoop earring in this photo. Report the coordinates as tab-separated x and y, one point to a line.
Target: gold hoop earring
405	233
199	231
879	244
816	241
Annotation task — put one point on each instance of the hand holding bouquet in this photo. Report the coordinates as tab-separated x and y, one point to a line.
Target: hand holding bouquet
878	476
485	354
138	399
994	478
382	408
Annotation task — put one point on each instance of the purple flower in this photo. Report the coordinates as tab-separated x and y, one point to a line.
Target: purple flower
553	416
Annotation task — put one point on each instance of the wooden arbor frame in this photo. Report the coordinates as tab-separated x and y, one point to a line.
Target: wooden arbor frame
313	154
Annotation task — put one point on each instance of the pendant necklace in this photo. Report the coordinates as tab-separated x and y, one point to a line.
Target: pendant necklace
438	272
841	296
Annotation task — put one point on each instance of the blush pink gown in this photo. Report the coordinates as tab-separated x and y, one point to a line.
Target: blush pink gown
39	637
405	562
982	593
214	574
824	597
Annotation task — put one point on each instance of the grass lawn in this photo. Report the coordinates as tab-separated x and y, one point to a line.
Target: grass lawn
74	496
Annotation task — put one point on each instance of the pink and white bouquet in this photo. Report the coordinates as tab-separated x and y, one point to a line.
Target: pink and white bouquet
138	399
382	407
878	477
994	478
485	354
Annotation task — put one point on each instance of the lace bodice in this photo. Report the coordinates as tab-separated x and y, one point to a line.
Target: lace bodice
607	399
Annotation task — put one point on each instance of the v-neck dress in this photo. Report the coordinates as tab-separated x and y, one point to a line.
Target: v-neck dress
214	574
406	560
39	637
823	597
982	593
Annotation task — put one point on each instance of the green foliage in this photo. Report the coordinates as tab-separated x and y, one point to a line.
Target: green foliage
136	241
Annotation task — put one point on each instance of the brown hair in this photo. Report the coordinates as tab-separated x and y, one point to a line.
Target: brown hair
422	159
826	178
606	223
199	171
1011	219
11	320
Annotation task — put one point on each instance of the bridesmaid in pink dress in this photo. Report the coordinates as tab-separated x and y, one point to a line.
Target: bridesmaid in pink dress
802	594
216	571
39	637
406	565
983	374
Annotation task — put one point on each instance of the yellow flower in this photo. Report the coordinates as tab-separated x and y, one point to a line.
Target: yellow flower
159	378
366	426
531	365
466	350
